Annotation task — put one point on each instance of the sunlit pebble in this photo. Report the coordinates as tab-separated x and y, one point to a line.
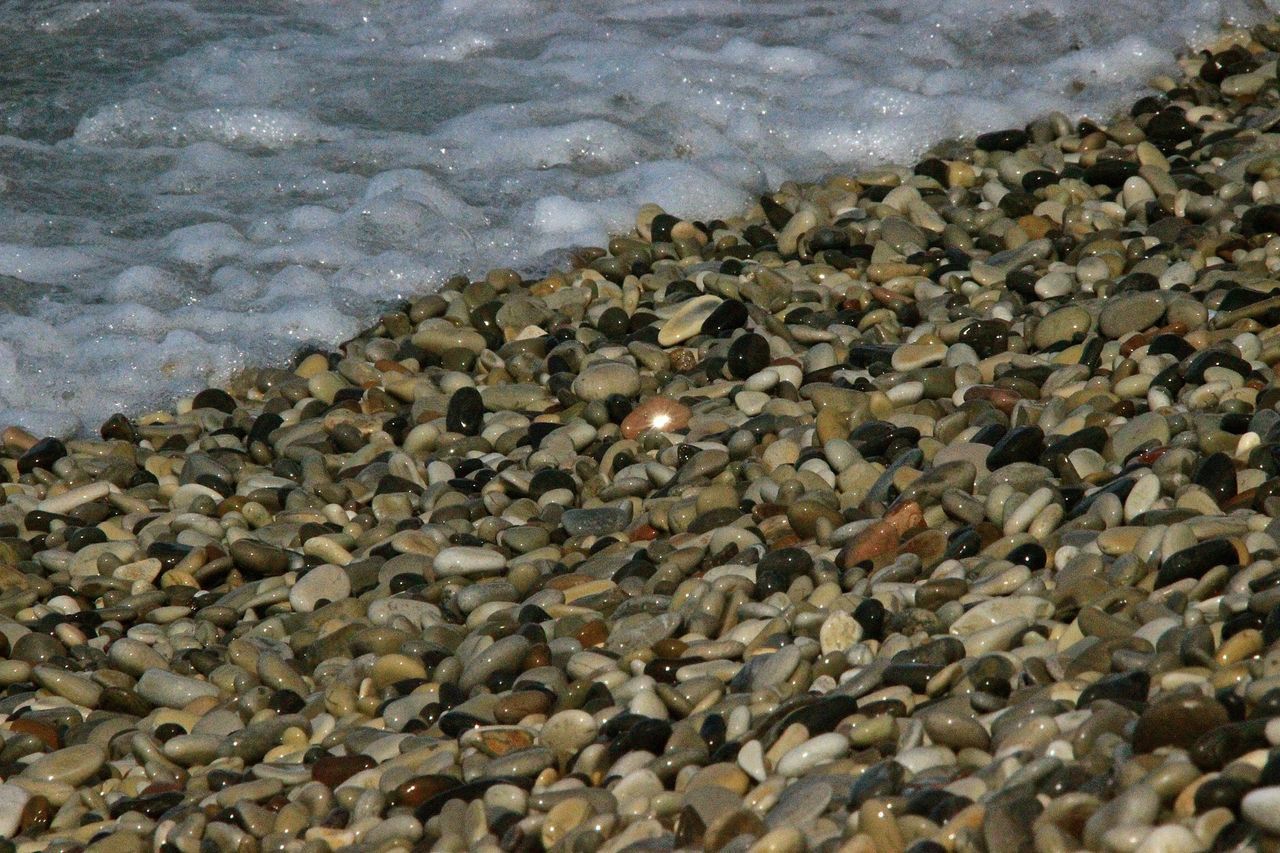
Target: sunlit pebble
657	413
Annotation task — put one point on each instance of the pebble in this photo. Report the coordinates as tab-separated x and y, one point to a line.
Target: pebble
13	799
170	690
1261	807
68	766
326	583
604	379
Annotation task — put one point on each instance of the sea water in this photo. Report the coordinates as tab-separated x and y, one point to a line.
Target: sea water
190	187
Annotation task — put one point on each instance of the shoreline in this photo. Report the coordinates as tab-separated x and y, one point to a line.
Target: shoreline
927	508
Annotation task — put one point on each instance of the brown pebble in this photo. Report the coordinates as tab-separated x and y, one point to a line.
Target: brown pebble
670	648
593	633
47	734
879	540
514	707
1177	721
538	655
36	815
333	770
416	791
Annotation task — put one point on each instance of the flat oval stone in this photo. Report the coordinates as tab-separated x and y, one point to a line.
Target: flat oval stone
688	319
803	758
1177	720
259	558
1063	326
595	522
1147	427
324	583
1122	315
1020	444
333	770
503	655
956	730
75	688
170	690
1193	562
464	560
69	766
605	378
913	356
567	732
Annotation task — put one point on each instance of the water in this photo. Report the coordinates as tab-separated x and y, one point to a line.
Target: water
186	188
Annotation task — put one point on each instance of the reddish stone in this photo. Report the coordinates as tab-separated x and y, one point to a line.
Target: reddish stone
416	791
1149	457
1240	500
36	816
538	655
885	296
46	733
761	511
1134	342
593	633
929	546
333	770
643	533
1002	398
656	413
514	707
387	365
499	742
670	648
905	517
879	540
159	788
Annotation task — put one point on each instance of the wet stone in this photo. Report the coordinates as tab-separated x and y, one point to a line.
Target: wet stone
748	355
466	412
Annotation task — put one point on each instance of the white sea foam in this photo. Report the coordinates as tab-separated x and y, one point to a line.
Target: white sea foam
189	187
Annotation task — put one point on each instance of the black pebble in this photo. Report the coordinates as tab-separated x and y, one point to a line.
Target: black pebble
1110	173
728	315
1029	554
1001	140
1020	444
1125	688
466	412
42	454
1263	219
1220	792
1193	562
214	398
1174	345
613	323
1202	361
748	354
870	614
1217	473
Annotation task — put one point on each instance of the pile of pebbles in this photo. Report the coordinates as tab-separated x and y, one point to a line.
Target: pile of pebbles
924	509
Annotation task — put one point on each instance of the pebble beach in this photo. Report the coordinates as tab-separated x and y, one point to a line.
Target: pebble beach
925	508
